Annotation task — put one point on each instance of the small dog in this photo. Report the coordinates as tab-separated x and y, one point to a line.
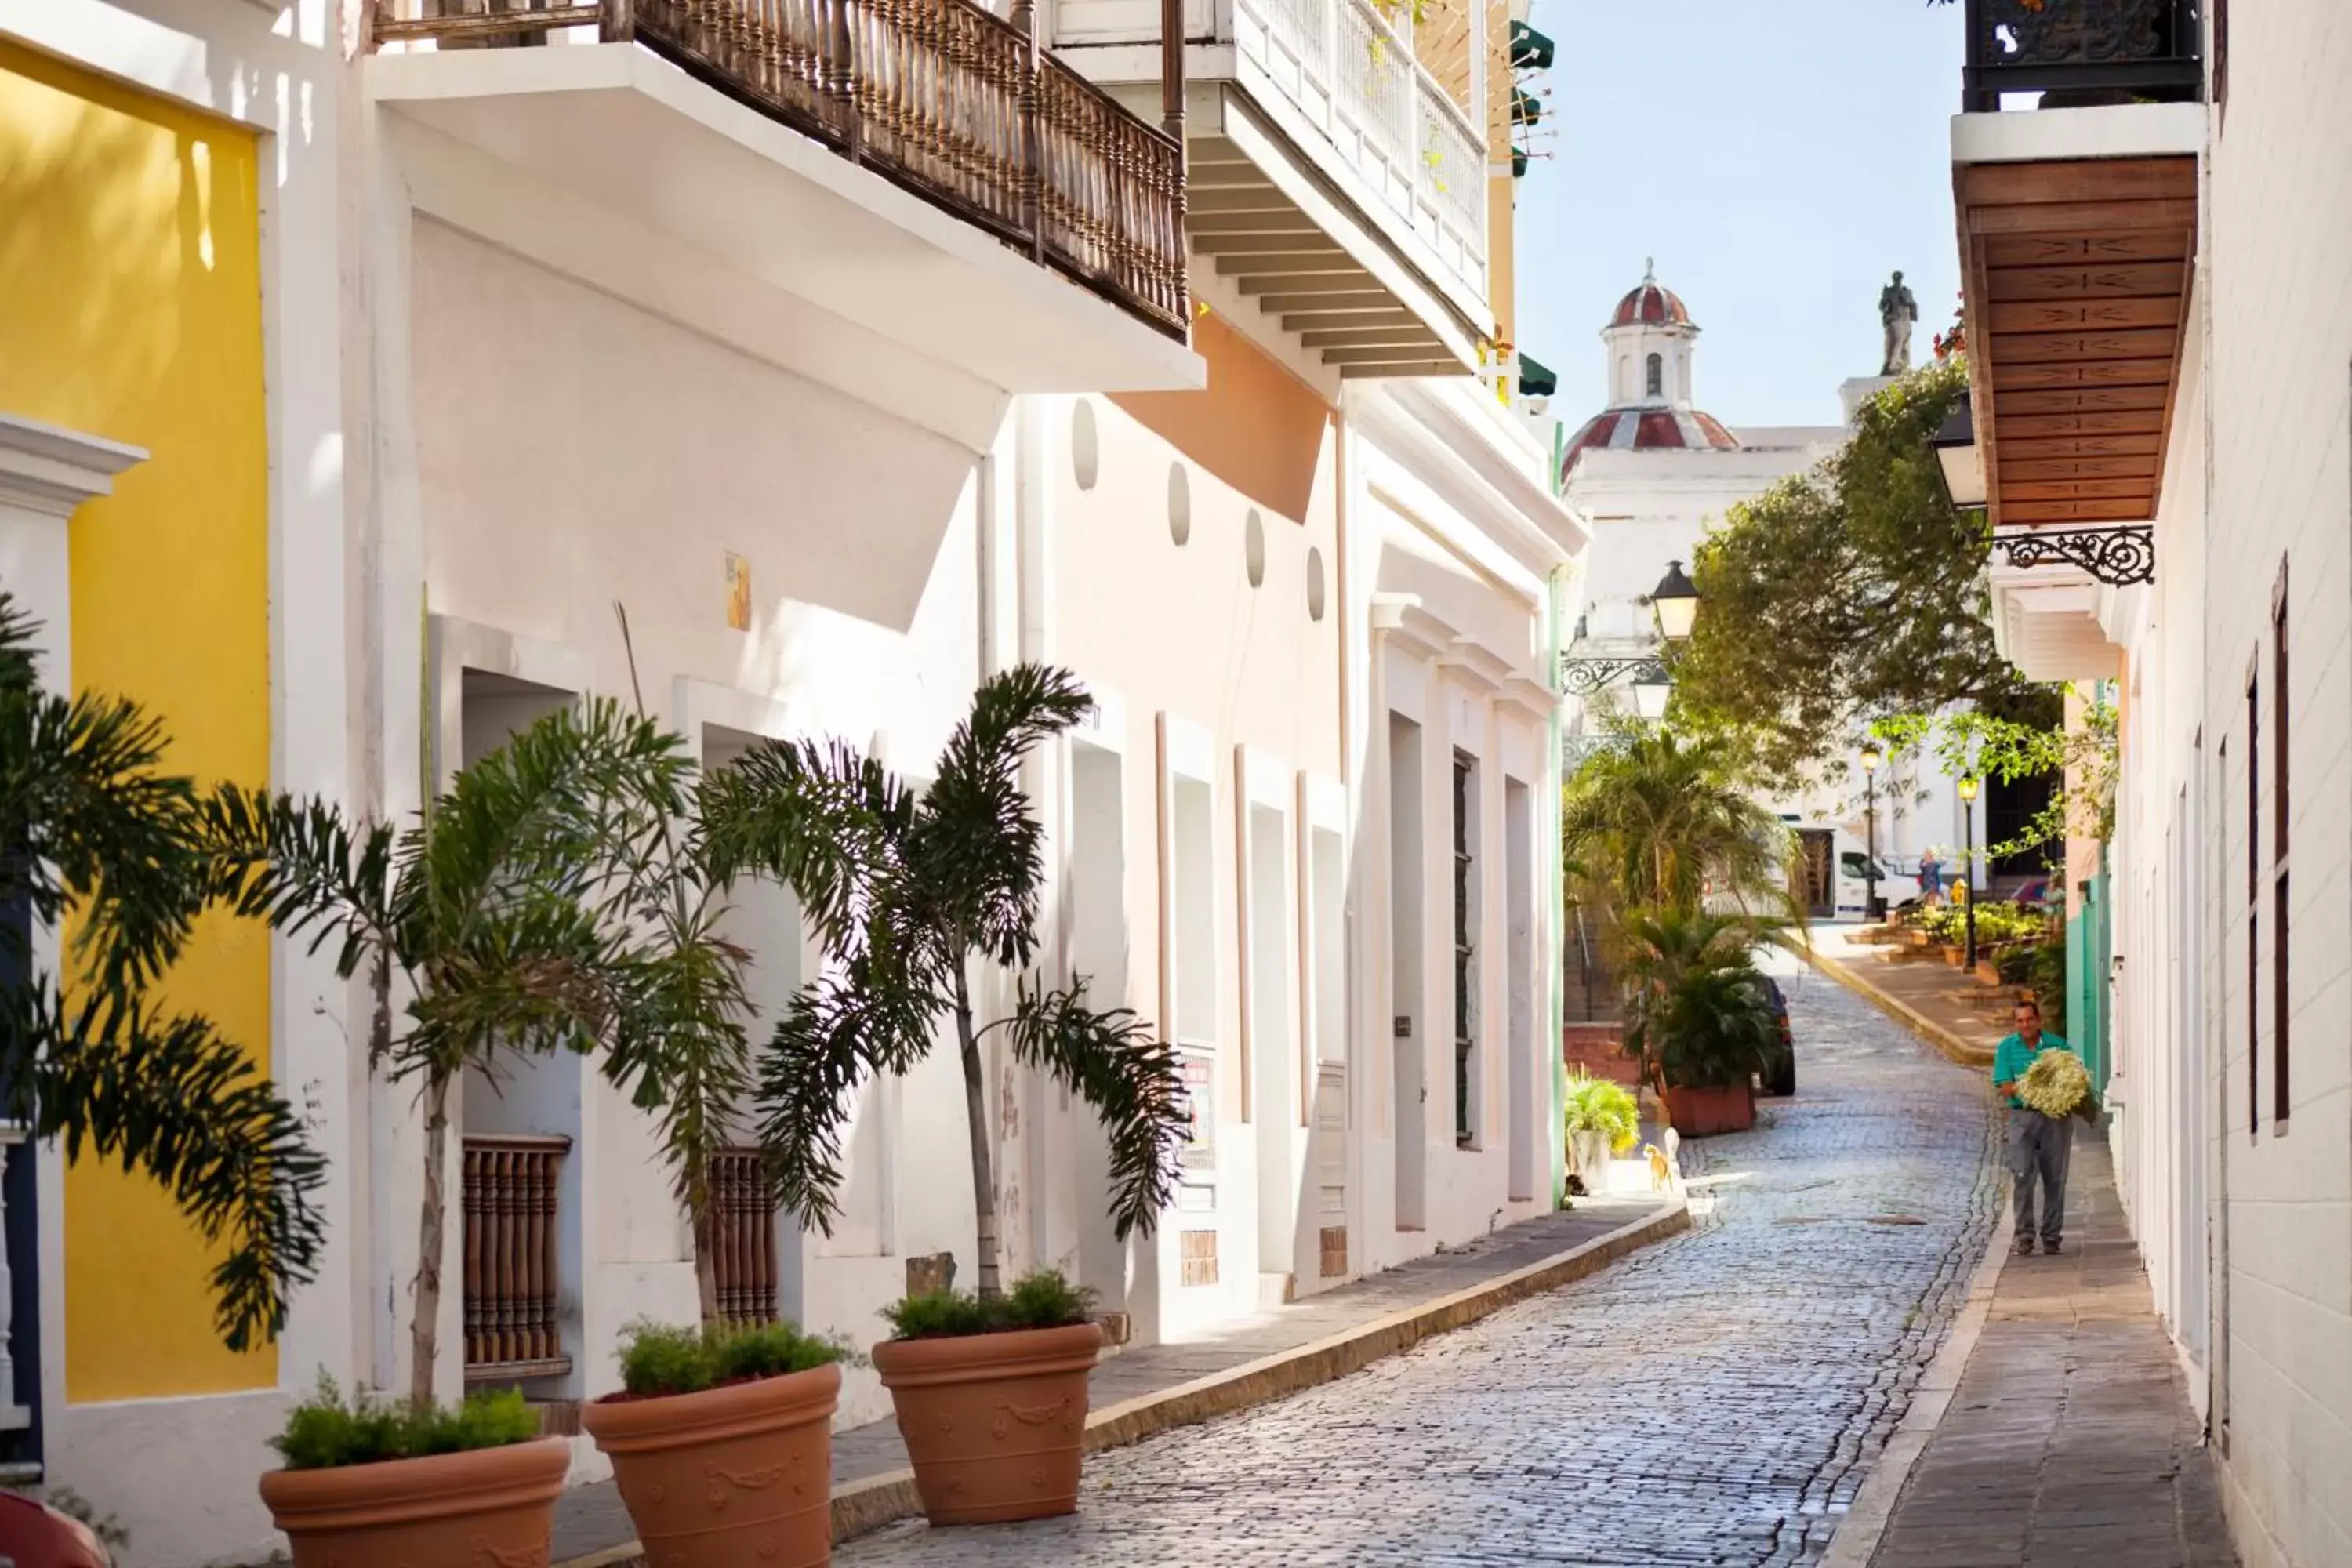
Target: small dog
1661	1175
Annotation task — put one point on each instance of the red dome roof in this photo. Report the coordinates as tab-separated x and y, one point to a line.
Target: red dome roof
1649	430
1649	304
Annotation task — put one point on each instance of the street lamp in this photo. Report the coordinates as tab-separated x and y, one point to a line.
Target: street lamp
1675	600
1651	689
1870	761
1968	857
1960	459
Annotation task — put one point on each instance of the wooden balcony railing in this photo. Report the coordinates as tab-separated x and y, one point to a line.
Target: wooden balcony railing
511	1184
2082	51
939	96
744	1248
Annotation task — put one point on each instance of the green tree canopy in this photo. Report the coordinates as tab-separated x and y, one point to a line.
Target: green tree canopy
1847	595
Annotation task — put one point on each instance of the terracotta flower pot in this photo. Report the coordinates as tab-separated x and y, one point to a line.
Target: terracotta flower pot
1703	1112
487	1506
739	1477
994	1423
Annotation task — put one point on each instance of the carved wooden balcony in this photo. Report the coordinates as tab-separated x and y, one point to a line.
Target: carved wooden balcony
2083	52
940	97
743	1239
510	1195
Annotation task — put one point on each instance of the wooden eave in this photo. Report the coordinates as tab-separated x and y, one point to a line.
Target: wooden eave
2075	281
1241	222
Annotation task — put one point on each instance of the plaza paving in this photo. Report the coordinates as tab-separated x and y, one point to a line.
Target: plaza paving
1714	1399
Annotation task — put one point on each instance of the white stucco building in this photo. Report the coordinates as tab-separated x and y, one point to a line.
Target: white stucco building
2210	445
565	332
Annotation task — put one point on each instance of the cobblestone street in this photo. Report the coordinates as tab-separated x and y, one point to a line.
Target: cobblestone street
1714	1399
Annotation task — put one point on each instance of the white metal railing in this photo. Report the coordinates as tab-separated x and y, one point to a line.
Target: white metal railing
1349	66
1374	76
1453	163
1342	79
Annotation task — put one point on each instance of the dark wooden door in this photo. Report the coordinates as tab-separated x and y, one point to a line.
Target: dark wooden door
1817	871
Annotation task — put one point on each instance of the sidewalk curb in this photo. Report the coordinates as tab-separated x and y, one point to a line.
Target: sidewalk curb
1855	1544
1948	1044
866	1505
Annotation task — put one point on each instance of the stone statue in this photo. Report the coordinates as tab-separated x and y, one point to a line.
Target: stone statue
1896	310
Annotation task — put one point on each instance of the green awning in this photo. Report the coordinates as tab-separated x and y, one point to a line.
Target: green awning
1525	108
1536	380
1530	50
1518	164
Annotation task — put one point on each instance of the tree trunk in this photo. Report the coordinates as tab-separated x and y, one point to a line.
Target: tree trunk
423	1328
706	1252
975	1105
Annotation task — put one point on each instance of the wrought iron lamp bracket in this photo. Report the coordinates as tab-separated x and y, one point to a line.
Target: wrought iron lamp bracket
1583	677
2117	556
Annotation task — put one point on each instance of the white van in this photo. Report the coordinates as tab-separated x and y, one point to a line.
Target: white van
1853	881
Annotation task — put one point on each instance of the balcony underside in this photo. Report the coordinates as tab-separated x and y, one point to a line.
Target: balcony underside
643	140
2076	278
2046	623
1268	223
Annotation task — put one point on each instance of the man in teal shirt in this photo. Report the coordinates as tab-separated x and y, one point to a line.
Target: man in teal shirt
2038	1144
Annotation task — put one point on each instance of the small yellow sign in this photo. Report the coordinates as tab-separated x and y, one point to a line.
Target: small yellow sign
739	593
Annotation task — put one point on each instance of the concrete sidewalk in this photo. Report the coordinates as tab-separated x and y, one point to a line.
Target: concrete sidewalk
1145	1391
2055	1429
2069	1439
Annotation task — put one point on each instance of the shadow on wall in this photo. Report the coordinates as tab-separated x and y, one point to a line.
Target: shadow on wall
1257	428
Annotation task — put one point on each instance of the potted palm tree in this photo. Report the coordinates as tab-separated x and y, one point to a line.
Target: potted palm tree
718	1399
501	916
1699	1015
96	836
908	895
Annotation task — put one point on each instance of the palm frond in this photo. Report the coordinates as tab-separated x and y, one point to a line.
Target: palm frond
678	1045
835	1035
296	864
819	817
1118	1064
92	820
975	847
168	1095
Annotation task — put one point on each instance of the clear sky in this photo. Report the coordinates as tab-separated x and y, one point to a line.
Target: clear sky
1779	159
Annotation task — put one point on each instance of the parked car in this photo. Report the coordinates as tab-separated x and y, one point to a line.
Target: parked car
1781	1067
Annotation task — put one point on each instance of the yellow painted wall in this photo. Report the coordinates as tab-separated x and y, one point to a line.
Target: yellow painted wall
130	308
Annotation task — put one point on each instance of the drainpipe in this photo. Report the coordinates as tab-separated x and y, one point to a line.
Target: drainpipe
1555	615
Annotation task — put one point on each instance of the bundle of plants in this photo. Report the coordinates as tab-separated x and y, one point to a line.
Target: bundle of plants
724	1404
1044	1299
332	1429
2057	1085
662	1361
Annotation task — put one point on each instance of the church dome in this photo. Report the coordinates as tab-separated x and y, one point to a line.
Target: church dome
1649	304
1649	429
